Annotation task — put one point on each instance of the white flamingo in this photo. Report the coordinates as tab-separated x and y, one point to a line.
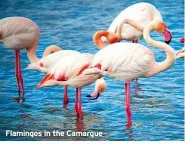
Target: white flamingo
47	62
123	26
69	72
17	33
128	61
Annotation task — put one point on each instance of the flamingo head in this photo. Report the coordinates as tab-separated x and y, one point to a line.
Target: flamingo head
100	87
112	38
102	37
161	27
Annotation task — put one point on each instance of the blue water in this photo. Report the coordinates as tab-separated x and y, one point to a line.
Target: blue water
157	109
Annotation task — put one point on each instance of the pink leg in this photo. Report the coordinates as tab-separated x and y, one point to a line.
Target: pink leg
66	99
19	77
80	103
76	103
127	101
16	72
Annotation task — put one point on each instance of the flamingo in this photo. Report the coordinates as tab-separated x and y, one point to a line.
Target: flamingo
48	61
69	72
123	26
17	33
128	61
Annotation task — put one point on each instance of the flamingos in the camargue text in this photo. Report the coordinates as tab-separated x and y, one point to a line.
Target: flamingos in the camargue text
128	61
17	33
69	72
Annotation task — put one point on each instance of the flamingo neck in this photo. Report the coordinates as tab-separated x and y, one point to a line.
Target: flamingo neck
130	22
168	62
97	38
31	52
50	49
100	85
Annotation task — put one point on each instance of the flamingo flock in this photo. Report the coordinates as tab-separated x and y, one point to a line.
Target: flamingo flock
122	61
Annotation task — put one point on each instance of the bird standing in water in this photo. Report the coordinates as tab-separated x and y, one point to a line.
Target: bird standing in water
17	33
128	61
69	72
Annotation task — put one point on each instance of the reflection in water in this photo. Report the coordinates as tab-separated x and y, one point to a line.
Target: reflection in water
23	117
79	124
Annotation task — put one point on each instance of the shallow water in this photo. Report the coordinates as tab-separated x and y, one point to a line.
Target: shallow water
157	109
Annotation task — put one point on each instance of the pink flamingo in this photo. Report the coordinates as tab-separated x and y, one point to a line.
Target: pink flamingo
17	33
128	61
69	72
125	26
47	62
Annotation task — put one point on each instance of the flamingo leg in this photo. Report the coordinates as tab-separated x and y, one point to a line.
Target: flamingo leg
135	41
127	101
66	99
76	103
19	77
80	103
16	73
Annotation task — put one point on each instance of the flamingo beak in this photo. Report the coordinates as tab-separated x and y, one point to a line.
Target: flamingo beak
93	98
167	35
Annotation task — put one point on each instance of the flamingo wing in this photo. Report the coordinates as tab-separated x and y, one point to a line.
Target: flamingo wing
18	32
124	61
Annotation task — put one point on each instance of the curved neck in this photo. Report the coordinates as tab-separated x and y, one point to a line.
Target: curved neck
31	52
161	66
97	38
130	22
50	49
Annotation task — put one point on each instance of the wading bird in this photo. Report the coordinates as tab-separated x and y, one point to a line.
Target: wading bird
17	33
69	72
128	61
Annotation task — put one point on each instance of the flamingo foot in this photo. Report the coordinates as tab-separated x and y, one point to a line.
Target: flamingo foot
79	124
19	99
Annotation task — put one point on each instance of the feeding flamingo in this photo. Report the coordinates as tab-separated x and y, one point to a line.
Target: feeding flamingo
69	72
17	33
128	61
47	62
123	26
